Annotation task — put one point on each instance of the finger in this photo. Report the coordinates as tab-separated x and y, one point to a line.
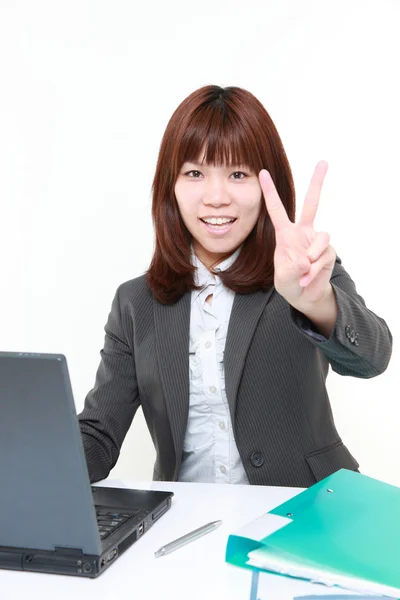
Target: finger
274	205
325	262
318	246
290	265
311	201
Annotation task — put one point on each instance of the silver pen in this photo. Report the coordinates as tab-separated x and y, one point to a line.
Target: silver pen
186	539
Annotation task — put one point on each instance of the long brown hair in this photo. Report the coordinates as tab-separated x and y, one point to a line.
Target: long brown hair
231	127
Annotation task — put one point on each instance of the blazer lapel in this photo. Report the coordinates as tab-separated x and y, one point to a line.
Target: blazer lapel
172	324
246	312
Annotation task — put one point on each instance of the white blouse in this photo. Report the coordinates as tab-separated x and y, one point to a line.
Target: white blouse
210	453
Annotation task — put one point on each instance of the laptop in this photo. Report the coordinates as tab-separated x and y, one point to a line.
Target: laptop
51	519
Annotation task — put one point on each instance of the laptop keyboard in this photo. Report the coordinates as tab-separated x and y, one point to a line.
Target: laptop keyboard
108	521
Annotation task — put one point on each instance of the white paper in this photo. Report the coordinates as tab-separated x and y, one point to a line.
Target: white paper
261	559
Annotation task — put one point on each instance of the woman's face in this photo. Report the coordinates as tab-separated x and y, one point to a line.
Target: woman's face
219	206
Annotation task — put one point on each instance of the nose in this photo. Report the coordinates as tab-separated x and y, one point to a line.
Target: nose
215	193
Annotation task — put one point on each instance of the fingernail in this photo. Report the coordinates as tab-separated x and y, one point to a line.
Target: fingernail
304	281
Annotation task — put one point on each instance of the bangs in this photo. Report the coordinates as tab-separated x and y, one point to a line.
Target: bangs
217	136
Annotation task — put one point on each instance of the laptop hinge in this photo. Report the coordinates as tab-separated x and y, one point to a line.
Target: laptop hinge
68	551
68	561
10	559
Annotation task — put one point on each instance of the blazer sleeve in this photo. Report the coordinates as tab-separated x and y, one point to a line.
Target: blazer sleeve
361	343
112	403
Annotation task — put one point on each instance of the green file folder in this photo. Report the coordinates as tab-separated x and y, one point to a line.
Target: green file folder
344	530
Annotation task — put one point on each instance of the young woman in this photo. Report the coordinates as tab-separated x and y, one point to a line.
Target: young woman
227	340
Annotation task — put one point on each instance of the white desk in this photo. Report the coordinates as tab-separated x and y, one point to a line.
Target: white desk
196	572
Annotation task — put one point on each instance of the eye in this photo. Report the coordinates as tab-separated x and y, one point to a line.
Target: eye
193	174
239	175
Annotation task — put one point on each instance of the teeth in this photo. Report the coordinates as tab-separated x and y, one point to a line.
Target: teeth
218	221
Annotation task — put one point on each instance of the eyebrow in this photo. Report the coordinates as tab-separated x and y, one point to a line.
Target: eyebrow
196	164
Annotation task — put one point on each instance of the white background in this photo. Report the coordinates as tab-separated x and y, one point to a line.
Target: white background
86	90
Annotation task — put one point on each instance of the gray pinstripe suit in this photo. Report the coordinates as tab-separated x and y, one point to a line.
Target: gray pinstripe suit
275	381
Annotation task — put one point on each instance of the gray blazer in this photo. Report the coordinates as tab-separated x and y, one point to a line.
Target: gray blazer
275	372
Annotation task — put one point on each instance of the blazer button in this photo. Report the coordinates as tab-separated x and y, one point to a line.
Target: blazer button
352	336
348	331
257	459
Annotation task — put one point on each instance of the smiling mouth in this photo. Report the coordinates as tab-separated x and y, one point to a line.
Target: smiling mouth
224	224
218	229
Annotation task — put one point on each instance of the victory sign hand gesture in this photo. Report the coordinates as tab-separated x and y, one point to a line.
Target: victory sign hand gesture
303	258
